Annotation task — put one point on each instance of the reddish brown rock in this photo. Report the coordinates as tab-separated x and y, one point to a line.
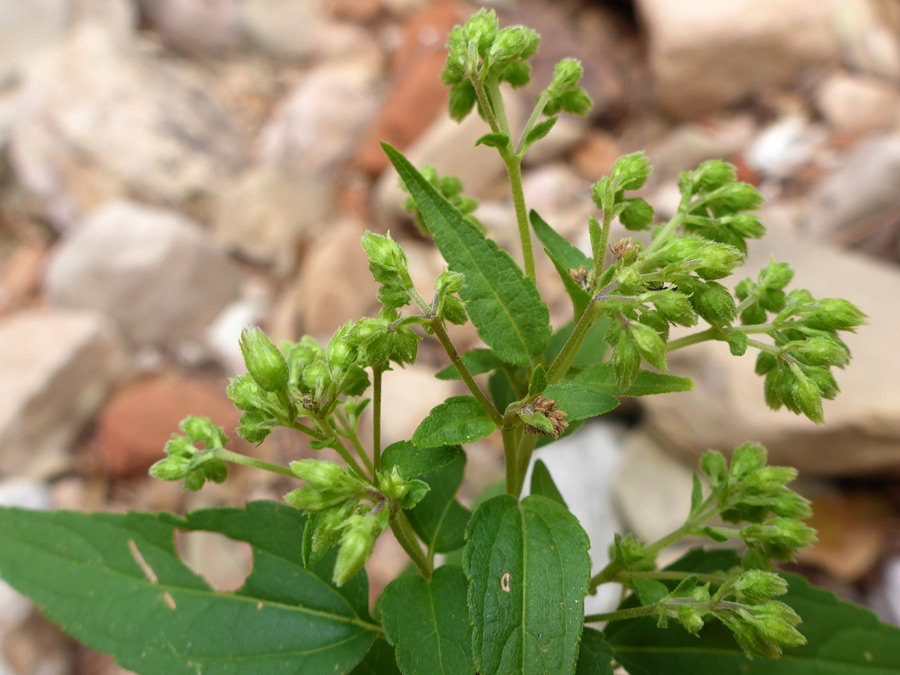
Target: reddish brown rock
417	94
136	423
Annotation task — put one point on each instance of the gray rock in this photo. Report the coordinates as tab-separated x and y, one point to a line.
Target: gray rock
195	26
152	270
858	104
861	434
56	369
25	29
707	54
102	119
862	186
281	28
318	125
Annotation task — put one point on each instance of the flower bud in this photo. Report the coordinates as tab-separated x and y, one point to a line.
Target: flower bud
318	473
631	171
834	314
567	73
316	375
714	303
264	362
575	101
674	307
747	458
314	500
626	363
481	29
691	618
356	545
170	468
515	42
638	214
651	346
776	275
767	479
712	174
629	279
806	396
713	465
449	282
760	585
383	251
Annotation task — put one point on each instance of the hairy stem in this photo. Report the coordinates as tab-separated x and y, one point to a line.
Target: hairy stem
561	363
237	458
514	170
407	538
338	445
376	416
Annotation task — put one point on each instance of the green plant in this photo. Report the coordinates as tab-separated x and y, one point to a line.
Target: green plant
508	596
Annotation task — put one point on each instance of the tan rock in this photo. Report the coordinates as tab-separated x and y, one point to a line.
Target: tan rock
136	423
857	105
707	54
408	395
861	434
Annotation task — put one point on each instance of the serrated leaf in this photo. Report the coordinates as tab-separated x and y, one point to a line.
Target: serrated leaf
564	257
601	376
528	570
538	380
594	654
458	420
428	624
493	140
439	519
476	361
504	305
542	484
580	402
379	661
580	298
842	638
412	461
116	583
539	131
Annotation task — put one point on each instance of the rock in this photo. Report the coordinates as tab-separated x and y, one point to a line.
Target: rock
417	94
25	29
408	395
450	147
863	186
361	11
708	54
582	467
651	489
785	146
271	212
101	119
194	27
136	423
334	285
861	434
595	156
24	493
118	17
691	143
281	28
20	277
858	105
56	369
317	126
868	30
892	588
152	270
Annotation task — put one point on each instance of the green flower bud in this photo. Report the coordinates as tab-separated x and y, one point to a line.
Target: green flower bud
319	474
822	351
788	504
765	362
567	73
454	311
179	446
753	315
314	500
776	275
575	101
747	458
383	251
515	42
194	480
629	279
330	525
772	300
316	375
806	396
171	468
631	171
449	282
482	29
602	193
674	306
767	479
763	629
760	585
356	546
462	100
215	470
779	537
823	379
714	303
264	362
255	425
416	493
745	225
834	314
638	214
202	430
691	618
711	175
738	342
651	346
741	197
626	363
713	465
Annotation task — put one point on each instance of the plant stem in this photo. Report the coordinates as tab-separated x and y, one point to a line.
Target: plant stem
523	459
529	125
237	458
670	576
514	170
309	431
352	435
441	333
499	107
338	445
510	446
407	538
376	416
486	106
561	363
694	338
619	615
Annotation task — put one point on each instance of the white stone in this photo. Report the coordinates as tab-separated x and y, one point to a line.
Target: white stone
283	28
102	119
26	27
857	105
152	270
706	54
784	146
861	434
56	369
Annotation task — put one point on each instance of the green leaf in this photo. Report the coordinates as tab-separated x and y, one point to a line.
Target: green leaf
542	484
568	255
439	519
504	305
379	661
539	131
580	298
502	393
593	348
601	376
458	420
476	361
580	402
528	570
413	461
493	140
428	623
594	654
116	583
842	638
538	380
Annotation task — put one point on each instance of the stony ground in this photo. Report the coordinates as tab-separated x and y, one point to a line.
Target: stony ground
172	170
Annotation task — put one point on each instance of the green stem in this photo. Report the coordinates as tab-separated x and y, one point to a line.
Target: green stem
523	459
486	107
514	170
309	431
694	338
493	87
338	445
566	356
510	446
352	435
441	333
237	458
376	416
668	229
529	125
623	577
407	538
621	614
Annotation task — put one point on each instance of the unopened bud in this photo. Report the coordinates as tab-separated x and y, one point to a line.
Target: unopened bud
264	362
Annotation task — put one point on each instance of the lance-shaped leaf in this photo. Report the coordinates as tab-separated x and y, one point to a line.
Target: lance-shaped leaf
476	361
116	583
564	257
428	624
458	420
542	484
528	570
602	376
842	638
504	305
580	402
439	519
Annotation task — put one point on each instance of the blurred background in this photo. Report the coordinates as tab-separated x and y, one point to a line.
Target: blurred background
173	170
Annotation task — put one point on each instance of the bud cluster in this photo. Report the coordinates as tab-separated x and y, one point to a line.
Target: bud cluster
185	460
333	498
